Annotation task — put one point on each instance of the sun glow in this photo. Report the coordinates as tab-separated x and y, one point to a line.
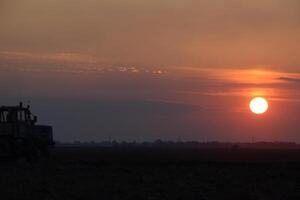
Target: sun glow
259	105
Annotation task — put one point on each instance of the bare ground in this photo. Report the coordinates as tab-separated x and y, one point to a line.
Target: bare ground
105	173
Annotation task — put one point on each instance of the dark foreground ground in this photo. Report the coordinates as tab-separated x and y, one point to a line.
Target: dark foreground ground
141	173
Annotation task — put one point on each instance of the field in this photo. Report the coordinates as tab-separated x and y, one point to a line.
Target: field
160	173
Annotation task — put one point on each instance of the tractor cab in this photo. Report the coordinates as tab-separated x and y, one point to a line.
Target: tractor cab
16	115
19	134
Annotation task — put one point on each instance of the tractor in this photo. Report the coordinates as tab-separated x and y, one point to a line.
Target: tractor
20	136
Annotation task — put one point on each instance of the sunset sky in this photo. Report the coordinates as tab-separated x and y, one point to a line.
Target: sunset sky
154	69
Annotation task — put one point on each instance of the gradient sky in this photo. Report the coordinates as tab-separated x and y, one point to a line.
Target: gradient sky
143	70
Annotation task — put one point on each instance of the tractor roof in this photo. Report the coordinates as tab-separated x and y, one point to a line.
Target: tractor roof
14	108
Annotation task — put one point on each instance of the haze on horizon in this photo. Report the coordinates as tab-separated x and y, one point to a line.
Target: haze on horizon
144	70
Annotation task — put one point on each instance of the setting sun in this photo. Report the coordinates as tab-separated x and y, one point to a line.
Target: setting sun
258	105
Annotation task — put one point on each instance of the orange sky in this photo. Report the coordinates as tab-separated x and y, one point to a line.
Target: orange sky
214	55
219	33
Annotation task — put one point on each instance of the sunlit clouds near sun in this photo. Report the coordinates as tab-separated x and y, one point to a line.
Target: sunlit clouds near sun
243	83
176	84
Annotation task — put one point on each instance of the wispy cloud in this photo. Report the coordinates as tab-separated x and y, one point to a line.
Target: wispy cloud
57	56
243	83
246	76
289	79
67	62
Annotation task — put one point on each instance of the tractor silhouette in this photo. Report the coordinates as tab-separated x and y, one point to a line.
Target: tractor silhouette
20	136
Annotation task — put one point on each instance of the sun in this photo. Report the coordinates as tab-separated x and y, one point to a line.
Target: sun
259	105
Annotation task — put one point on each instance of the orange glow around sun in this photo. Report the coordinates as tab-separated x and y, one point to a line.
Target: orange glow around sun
259	105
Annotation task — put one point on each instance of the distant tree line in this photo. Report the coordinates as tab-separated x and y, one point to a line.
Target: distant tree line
187	144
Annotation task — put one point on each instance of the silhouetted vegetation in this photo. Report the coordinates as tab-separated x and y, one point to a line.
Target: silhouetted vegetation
187	144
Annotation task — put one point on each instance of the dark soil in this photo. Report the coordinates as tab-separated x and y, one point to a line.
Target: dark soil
139	173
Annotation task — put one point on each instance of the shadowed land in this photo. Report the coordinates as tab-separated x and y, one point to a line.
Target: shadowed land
172	155
155	173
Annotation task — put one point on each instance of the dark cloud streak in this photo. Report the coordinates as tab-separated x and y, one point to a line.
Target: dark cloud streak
289	79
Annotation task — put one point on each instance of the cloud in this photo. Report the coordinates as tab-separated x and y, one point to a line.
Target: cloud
69	62
62	56
289	79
